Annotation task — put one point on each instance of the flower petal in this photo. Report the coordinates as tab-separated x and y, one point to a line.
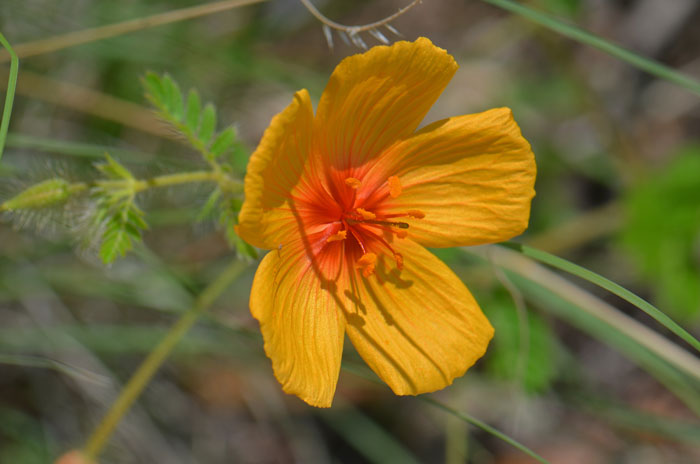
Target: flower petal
274	175
300	322
420	328
375	98
472	176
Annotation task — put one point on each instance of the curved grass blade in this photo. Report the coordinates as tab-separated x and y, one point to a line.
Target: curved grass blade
364	373
483	426
10	95
579	35
608	285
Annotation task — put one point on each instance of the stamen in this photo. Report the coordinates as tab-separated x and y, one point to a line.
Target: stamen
367	263
395	188
399	261
401	233
366	214
415	213
353	183
400	225
340	235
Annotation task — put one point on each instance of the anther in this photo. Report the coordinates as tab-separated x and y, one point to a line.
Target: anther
399	261
395	188
366	214
367	263
353	183
340	235
415	213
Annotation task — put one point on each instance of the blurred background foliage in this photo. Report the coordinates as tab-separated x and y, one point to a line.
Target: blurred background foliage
618	155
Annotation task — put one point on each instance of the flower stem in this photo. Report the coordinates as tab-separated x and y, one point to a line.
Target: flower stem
132	390
134	186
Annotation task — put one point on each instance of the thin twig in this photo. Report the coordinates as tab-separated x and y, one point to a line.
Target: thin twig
52	44
355	29
91	102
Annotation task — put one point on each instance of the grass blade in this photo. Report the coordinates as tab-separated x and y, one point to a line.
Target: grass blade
485	427
363	372
608	285
10	95
579	35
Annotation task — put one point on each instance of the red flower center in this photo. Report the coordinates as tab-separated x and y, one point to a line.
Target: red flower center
358	225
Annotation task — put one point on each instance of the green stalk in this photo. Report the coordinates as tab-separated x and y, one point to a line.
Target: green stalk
10	95
132	390
579	35
38	199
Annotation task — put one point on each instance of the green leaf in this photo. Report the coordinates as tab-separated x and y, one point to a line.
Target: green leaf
113	170
173	98
206	129
209	206
224	141
124	223
662	232
536	367
194	108
154	90
244	248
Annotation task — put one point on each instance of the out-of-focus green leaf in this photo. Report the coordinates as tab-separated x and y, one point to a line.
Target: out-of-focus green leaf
194	109
537	365
27	441
224	142
662	231
208	125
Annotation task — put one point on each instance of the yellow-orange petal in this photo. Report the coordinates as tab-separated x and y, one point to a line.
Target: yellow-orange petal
419	328
301	325
472	177
275	172
377	97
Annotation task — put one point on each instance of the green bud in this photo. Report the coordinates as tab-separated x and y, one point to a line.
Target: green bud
43	194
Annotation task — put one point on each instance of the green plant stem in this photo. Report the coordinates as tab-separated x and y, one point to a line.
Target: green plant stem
132	390
10	95
72	39
608	285
134	186
579	35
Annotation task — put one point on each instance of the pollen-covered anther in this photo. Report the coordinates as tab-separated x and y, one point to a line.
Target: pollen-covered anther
353	183
399	261
340	235
395	188
415	213
366	215
367	263
401	233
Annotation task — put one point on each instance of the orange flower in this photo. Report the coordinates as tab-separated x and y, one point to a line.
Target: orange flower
348	199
